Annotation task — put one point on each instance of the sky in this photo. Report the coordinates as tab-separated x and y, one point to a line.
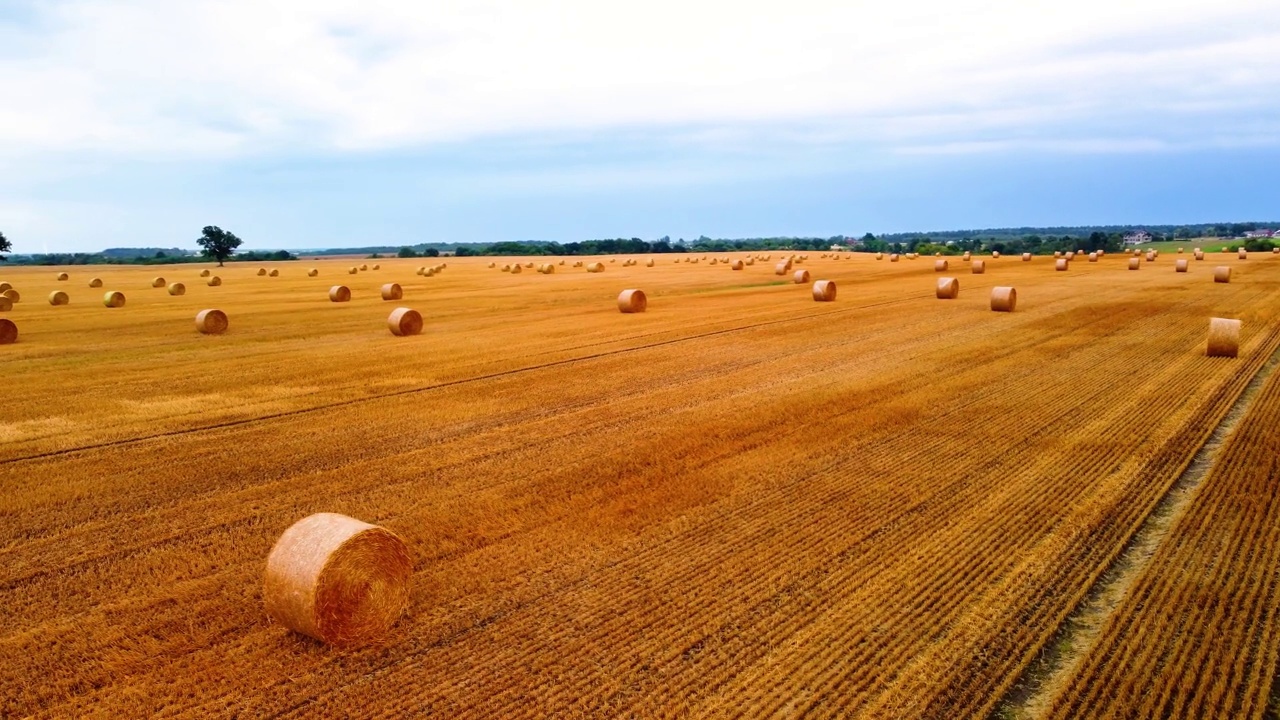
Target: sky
316	123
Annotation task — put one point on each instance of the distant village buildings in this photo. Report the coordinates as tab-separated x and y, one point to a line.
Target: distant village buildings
1137	237
1260	233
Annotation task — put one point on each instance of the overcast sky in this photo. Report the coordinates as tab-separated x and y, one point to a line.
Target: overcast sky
315	124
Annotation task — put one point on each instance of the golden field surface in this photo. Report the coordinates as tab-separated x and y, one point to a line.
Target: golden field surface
739	503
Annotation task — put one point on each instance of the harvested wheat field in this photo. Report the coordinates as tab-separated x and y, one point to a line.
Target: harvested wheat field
739	502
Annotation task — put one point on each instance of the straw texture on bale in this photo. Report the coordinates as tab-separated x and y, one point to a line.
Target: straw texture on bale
313	272
158	282
274	273
95	283
177	289
57	297
113	299
1003	299
5	286
13	295
1061	264
1224	337
1222	274
205	273
595	267
262	272
801	277
8	332
1134	263
211	322
1026	257
940	265
5	304
736	265
392	291
215	281
948	288
340	293
337	579
405	322
824	291
978	267
1180	265
63	276
632	301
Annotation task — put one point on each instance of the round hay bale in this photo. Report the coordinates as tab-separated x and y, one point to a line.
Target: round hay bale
506	268
95	283
493	265
1225	250
404	322
262	272
377	267
63	276
516	269
1134	263
632	301
714	262
595	267
1224	337
749	262
1003	299
5	304
57	297
339	293
1026	257
1137	252
205	273
313	272
113	299
14	296
940	265
1241	254
1180	265
8	332
824	291
879	256
578	263
1222	274
1179	251
1151	257
967	256
336	579
429	272
352	270
736	265
614	260
5	286
364	268
551	269
995	254
158	282
215	281
211	322
801	277
273	273
530	265
1198	254
1093	257
1070	256
893	257
1061	264
648	263
948	288
1057	253
978	267
392	291
177	289
1101	253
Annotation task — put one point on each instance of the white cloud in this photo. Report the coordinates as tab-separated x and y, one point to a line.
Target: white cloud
160	79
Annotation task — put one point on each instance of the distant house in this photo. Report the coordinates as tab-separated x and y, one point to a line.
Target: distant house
1260	233
1137	237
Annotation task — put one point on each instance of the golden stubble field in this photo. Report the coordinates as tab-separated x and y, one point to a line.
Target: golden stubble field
738	503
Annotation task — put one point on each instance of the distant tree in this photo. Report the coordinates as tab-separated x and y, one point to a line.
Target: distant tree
430	252
160	255
218	243
406	252
4	246
465	251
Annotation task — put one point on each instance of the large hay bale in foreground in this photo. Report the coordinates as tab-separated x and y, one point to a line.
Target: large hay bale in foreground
940	265
1134	263
205	273
1003	299
215	281
211	322
63	276
948	288
1061	264
340	293
177	289
595	267
1224	337
405	322
113	299
801	277
8	332
824	291
95	283
392	291
158	282
57	297
337	579
632	301
1180	265
978	267
1222	274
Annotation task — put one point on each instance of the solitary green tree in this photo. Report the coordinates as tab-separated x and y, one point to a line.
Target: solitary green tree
4	245
218	243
